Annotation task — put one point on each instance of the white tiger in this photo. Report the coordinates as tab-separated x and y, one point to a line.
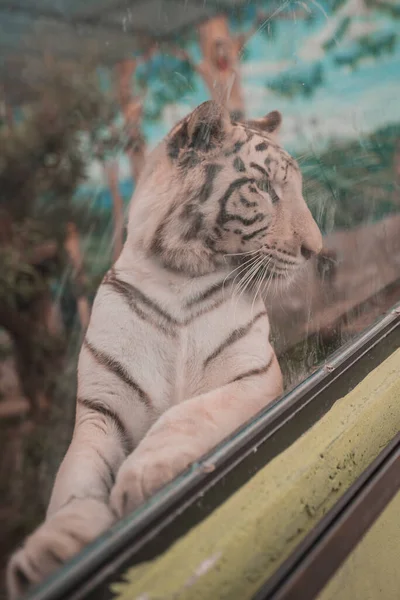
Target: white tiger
177	353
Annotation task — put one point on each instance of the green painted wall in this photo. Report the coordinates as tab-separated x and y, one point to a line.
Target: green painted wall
372	571
230	553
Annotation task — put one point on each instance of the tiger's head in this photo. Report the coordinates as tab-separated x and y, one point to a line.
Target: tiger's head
217	192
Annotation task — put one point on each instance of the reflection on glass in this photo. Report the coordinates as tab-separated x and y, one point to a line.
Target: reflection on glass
83	105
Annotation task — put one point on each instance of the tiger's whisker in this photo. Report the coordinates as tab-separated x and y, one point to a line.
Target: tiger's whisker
245	281
247	266
250	277
250	271
243	253
241	267
260	281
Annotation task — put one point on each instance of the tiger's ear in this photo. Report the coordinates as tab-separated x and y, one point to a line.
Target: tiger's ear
208	125
271	123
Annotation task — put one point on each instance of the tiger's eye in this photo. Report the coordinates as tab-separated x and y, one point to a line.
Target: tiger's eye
264	185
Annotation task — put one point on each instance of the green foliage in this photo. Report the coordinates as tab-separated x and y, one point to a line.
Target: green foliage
366	46
20	283
344	52
43	160
352	184
269	30
335	5
299	81
392	9
167	79
338	35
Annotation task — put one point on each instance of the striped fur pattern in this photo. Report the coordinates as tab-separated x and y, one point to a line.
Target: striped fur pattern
177	353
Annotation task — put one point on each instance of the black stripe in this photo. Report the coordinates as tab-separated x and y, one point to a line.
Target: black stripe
260	133
205	310
224	216
212	171
239	165
262	146
258	217
189	159
194	228
157	243
236	147
117	369
247	203
274	196
271	191
130	293
178	140
236	335
126	288
208	293
110	472
286	171
236	184
249	236
259	371
146	318
99	407
260	169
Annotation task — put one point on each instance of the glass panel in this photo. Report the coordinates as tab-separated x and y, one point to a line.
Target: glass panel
87	92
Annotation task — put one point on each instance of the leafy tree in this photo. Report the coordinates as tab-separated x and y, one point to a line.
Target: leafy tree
360	189
298	81
43	160
169	73
345	45
168	76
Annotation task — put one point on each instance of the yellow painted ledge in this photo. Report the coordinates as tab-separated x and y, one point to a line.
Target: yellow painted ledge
371	572
229	554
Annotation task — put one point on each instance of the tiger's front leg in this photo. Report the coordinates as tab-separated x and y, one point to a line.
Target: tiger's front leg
79	509
59	538
187	431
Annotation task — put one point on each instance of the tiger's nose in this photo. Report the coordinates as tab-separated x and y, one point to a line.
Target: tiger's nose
310	236
312	246
306	252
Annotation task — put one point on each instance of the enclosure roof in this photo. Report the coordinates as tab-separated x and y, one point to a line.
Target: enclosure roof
70	30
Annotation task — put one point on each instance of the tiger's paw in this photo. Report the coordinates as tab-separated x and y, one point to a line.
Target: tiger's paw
57	540
144	473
